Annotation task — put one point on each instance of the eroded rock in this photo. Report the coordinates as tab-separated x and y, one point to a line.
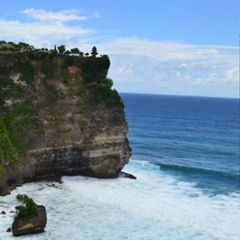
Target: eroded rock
30	224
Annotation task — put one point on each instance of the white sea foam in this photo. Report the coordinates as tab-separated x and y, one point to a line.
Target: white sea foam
155	206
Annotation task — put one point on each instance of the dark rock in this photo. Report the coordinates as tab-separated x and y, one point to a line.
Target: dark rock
9	230
3	212
128	175
30	225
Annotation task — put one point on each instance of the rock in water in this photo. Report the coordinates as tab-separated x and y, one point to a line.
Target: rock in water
31	224
127	175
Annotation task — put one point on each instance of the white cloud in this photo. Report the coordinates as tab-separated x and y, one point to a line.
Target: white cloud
46	28
138	65
41	34
61	16
233	75
183	66
174	66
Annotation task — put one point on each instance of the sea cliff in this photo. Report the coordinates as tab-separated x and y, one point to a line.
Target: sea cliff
58	116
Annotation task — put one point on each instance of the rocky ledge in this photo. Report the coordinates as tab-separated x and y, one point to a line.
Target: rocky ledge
33	224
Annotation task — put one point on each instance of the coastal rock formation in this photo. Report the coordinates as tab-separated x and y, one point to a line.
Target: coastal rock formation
59	116
31	224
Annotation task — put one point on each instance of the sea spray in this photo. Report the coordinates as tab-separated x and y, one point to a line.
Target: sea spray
153	205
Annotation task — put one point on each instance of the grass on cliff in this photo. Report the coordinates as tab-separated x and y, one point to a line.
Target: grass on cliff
8	153
19	122
27	69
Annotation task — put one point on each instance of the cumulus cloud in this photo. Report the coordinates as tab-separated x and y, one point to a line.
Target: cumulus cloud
46	27
233	75
137	65
187	67
61	16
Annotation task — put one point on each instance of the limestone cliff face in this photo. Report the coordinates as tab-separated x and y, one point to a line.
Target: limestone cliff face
59	116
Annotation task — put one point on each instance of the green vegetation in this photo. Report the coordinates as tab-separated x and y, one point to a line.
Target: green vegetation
96	81
95	69
103	93
7	150
61	49
76	51
19	127
11	46
23	67
19	122
28	207
10	147
27	69
10	90
68	62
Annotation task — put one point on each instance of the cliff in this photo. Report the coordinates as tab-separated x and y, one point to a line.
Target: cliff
59	116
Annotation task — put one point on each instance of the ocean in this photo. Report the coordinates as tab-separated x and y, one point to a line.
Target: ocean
186	157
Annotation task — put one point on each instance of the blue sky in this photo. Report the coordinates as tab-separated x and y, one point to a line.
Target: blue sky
180	47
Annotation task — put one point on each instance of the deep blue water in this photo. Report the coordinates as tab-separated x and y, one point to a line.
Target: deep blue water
195	139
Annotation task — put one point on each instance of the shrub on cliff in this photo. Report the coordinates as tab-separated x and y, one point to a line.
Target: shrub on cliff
103	93
93	68
28	207
61	49
76	51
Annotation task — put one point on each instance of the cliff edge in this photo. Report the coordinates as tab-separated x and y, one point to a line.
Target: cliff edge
59	116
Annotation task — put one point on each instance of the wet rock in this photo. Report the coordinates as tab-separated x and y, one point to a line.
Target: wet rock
31	224
128	175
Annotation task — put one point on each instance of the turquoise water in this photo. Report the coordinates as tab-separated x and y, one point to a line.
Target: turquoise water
186	159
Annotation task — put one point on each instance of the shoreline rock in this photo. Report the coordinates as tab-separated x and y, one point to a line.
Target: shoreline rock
32	224
127	175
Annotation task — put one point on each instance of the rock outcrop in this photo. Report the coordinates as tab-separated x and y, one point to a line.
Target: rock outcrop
59	116
31	224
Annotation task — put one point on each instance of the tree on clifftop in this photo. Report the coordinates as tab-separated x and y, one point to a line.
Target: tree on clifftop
76	51
61	49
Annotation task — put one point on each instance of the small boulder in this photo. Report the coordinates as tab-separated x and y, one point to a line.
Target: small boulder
30	224
128	175
3	212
